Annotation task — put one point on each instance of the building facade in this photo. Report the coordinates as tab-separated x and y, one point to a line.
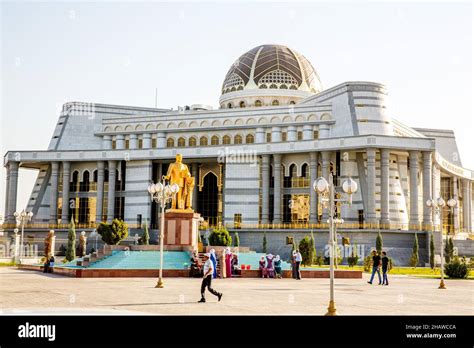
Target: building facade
255	158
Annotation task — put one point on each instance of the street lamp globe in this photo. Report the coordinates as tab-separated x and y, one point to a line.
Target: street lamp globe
321	185
429	203
158	187
349	186
174	188
452	202
30	214
151	189
441	202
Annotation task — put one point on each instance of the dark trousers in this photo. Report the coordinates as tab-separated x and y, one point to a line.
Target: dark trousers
298	273
384	276
206	283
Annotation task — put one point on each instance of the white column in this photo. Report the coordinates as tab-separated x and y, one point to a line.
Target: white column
427	190
313	197
12	190
53	200
100	192
65	195
160	140
111	193
7	189
265	188
260	135
277	189
371	214
456	208
307	132
465	205
276	134
146	140
133	142
107	142
414	212
120	142
291	134
385	186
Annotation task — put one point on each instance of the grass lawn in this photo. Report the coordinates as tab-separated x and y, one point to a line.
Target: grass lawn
422	272
7	264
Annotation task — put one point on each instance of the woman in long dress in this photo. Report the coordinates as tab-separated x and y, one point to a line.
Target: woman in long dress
277	264
228	262
270	270
214	262
261	267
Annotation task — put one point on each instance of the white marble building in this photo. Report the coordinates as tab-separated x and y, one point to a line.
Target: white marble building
287	129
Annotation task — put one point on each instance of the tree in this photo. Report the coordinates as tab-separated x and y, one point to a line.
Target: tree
220	237
432	251
306	251
379	243
448	250
71	242
236	239
264	242
146	234
414	256
313	247
113	233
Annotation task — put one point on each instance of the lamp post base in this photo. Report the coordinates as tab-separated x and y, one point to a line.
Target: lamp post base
160	284
441	285
331	309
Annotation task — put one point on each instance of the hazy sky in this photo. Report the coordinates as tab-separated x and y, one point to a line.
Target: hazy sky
119	52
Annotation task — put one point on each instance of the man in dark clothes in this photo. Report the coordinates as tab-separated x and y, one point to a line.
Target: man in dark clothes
206	281
385	262
376	263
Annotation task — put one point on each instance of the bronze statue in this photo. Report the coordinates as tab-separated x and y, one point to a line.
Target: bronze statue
179	174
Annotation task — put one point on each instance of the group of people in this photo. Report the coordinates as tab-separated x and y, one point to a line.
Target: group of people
380	262
229	264
270	266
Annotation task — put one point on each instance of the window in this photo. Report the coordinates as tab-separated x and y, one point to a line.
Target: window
140	143
258	103
238	139
305	170
242	104
170	142
269	137
237	220
153	143
273	86
275	103
284	136
203	141
300	135
192	141
215	140
181	142
226	140
316	134
127	143
249	139
292	102
114	144
229	106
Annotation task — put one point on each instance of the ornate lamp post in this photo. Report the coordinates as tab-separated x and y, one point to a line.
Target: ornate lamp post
21	219
326	190
437	205
162	194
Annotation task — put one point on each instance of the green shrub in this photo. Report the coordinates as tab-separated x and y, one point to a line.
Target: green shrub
114	233
71	242
354	258
391	263
367	263
414	255
456	269
236	239
448	250
379	243
220	237
432	251
306	250
319	260
264	242
313	248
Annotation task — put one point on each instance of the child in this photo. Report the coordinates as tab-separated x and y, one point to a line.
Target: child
385	264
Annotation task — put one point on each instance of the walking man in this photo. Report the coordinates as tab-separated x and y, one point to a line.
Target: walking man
385	262
376	263
208	270
298	259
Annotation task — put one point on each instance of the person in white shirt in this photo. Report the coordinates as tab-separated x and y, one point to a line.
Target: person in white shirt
298	259
208	270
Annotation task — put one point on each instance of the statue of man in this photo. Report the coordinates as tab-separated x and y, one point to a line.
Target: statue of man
82	244
178	173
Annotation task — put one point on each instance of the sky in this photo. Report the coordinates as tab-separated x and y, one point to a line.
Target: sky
121	52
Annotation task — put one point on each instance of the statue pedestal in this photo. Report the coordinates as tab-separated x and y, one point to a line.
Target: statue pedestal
181	230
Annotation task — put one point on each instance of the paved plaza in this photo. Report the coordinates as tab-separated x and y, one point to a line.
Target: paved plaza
25	292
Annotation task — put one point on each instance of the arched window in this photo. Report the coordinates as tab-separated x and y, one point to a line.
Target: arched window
284	136
305	170
258	103
300	135
293	171
242	104
192	141
273	86
275	103
229	106
127	142
114	143
292	102
262	86
226	140
170	142
84	185
181	142
249	139
238	139
203	141
283	86
215	140
74	182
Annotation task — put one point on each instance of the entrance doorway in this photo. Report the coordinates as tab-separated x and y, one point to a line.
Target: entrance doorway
208	199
